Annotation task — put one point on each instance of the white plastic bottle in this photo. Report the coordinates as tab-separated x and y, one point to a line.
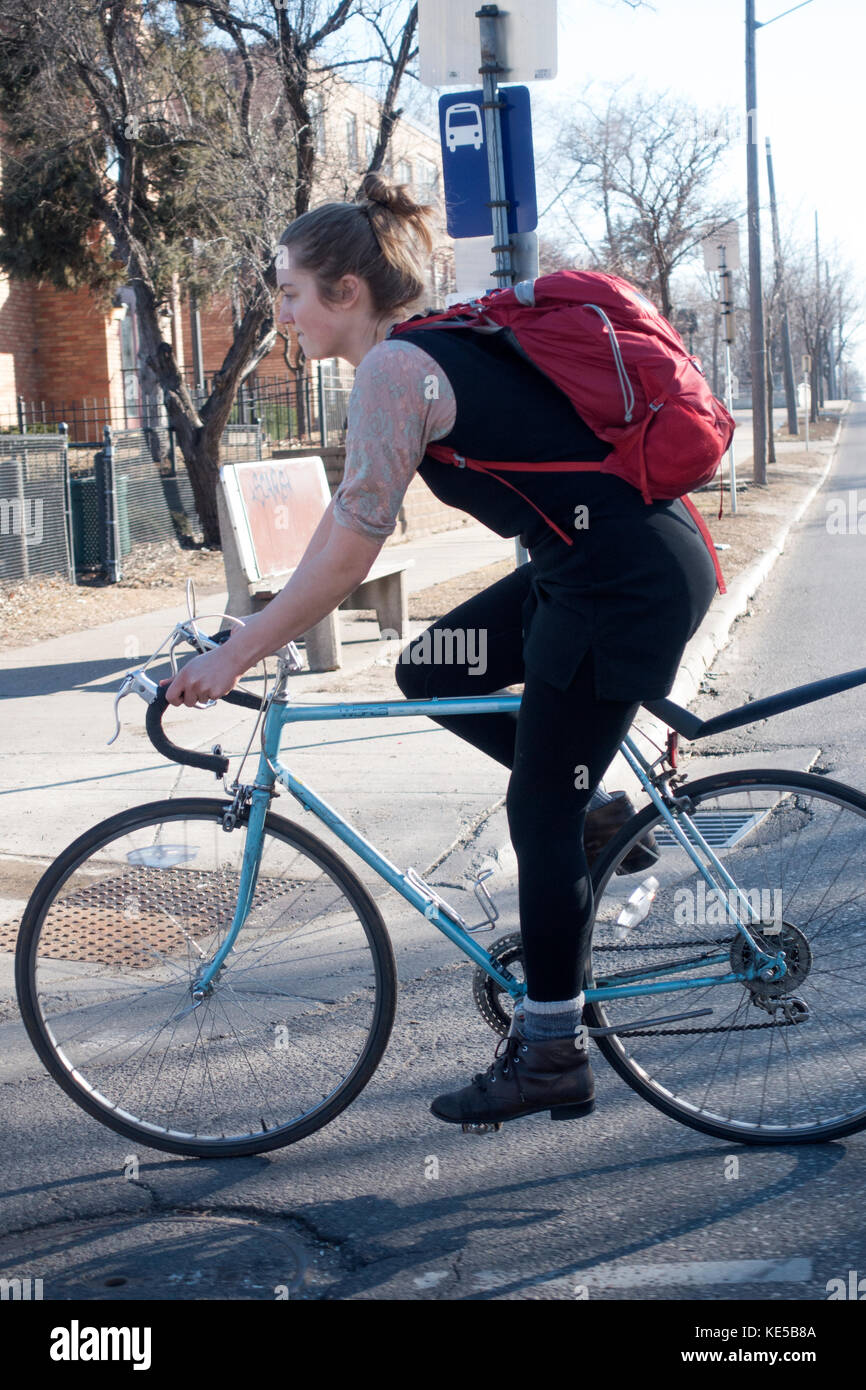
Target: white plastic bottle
636	908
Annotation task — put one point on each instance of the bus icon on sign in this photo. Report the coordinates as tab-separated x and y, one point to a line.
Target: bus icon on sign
463	126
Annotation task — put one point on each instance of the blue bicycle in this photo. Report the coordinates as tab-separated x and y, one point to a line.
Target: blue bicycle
207	977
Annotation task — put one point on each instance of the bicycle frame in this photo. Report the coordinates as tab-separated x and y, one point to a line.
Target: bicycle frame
271	770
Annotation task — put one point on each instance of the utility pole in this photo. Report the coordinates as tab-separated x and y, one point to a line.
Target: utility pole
843	385
818	399
831	353
756	305
787	358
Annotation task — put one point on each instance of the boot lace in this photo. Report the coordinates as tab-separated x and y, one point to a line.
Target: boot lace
504	1058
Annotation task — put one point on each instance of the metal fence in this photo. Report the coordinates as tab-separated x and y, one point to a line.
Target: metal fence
34	507
143	489
66	508
292	410
288	409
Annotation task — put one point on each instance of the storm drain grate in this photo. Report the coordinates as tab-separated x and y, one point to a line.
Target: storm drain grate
720	829
127	917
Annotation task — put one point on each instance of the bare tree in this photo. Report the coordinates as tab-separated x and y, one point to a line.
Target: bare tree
833	307
643	165
155	145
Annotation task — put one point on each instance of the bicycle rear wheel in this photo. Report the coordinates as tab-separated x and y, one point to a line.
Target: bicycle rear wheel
760	1070
116	932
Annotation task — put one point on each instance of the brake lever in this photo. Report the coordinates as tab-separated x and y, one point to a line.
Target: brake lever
289	659
142	685
188	633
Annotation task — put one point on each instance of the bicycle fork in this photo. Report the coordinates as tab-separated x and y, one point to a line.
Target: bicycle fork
250	807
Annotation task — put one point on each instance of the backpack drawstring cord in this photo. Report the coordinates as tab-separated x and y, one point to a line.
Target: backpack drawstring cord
624	384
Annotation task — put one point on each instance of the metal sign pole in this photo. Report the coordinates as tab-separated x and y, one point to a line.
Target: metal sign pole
729	402
490	68
727	310
488	17
807	392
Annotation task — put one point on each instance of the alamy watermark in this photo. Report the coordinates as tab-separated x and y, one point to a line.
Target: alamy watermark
703	906
21	1290
77	1343
853	1288
846	516
22	516
440	646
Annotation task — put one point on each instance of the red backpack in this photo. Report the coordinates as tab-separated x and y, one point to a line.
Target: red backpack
625	370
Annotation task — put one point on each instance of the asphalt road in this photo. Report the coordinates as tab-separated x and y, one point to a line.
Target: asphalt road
387	1203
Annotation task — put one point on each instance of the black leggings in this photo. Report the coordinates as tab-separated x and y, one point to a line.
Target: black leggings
555	733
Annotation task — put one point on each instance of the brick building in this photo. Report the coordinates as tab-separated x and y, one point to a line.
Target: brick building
65	358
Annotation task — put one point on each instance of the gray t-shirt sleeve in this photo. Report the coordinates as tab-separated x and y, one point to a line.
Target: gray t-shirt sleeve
401	401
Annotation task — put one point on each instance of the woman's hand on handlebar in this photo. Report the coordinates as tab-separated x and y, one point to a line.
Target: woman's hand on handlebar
206	677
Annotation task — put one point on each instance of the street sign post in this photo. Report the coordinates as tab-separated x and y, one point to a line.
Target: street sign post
807	392
473	261
721	250
724	239
448	41
465	162
517	43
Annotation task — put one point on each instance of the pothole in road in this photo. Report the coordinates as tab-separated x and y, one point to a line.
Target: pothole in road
172	1255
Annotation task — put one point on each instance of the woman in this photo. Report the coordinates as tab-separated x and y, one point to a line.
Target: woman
590	629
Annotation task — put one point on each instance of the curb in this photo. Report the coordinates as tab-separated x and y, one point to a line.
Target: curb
714	632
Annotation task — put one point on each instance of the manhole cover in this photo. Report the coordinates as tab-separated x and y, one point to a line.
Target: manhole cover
176	1255
133	916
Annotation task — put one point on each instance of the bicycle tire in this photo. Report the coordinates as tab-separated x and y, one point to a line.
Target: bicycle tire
57	901
835	817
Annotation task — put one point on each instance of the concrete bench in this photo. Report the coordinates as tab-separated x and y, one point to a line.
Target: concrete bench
268	511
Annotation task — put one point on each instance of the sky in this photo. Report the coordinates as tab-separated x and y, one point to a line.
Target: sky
811	81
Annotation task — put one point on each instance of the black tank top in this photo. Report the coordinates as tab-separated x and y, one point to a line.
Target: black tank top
635	583
507	409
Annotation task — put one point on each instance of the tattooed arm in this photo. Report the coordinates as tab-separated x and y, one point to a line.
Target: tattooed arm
400	402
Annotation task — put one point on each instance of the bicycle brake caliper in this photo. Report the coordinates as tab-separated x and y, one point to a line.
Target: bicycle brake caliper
232	814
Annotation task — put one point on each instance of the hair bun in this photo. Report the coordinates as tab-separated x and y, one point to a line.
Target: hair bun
395	198
379	192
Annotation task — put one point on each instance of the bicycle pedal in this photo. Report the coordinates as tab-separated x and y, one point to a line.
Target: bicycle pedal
482	1128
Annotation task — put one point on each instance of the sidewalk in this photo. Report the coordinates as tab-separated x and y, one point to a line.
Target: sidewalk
58	777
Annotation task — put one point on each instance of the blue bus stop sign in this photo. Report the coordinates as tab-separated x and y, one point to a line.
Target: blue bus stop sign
464	162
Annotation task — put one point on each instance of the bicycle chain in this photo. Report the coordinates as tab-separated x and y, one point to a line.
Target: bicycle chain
663	945
681	1032
684	1032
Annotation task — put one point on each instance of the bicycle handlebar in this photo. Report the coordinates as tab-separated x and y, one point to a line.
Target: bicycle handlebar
211	762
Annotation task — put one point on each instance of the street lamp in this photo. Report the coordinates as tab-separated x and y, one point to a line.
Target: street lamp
756	307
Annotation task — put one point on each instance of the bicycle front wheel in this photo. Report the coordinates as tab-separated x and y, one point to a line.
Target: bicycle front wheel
114	937
773	1062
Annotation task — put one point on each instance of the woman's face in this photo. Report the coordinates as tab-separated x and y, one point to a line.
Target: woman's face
320	327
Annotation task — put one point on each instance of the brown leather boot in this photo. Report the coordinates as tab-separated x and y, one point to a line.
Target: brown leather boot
606	821
525	1078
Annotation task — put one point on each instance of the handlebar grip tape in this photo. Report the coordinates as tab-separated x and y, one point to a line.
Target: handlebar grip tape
211	762
243	697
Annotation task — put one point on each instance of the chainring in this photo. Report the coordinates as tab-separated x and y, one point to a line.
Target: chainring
492	1002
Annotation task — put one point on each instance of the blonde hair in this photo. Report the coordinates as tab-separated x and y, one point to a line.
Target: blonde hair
376	238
